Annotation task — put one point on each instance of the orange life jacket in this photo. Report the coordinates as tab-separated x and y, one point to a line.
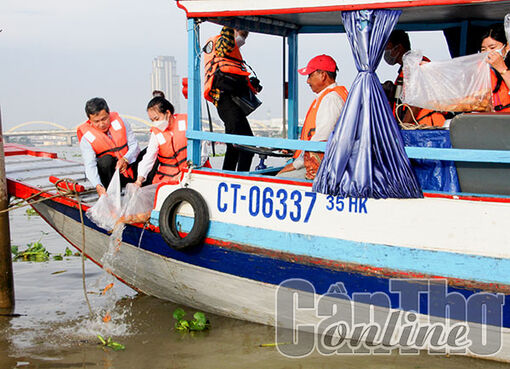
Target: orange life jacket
425	116
500	96
232	63
309	126
102	144
172	153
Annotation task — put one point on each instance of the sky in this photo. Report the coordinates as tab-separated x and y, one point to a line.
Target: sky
57	54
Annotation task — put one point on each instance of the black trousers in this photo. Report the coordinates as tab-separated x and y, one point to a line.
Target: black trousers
106	168
237	124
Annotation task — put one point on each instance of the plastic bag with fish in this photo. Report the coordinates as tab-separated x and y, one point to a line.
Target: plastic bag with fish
107	210
137	204
457	85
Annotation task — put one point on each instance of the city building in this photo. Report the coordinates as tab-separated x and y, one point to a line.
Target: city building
164	78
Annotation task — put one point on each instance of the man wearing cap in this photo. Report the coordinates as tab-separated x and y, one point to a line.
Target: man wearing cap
321	117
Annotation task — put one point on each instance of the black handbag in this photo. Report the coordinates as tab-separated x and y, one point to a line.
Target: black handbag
248	102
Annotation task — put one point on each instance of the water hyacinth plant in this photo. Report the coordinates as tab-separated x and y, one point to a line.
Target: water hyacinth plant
198	323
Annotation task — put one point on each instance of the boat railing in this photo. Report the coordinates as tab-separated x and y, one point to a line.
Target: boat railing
429	153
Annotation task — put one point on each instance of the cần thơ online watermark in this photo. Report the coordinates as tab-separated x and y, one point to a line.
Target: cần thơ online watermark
414	315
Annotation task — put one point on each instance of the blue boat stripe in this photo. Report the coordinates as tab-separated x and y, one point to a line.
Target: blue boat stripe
271	269
435	263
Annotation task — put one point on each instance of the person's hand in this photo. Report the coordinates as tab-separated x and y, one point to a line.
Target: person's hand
288	168
100	190
139	181
121	165
389	90
496	60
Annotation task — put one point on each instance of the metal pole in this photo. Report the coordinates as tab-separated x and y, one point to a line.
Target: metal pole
6	280
284	72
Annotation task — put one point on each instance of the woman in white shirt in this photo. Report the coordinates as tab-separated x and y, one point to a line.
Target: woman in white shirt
167	144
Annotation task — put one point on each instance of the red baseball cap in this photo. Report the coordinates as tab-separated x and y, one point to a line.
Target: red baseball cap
320	62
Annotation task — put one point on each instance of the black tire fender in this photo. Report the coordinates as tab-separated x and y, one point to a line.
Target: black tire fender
167	215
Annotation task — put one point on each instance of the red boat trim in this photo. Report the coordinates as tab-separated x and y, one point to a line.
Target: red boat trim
317	9
468	197
24	191
11	149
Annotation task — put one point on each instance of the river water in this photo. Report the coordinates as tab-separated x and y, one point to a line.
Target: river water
53	329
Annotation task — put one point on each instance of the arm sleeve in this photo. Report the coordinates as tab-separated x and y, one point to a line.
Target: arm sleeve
327	116
299	162
90	163
226	42
147	163
133	148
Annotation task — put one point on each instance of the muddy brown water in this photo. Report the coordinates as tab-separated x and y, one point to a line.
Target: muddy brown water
54	330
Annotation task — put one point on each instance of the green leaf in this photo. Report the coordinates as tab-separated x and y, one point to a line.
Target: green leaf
116	346
15	250
29	212
182	325
179	313
68	252
200	317
58	257
101	339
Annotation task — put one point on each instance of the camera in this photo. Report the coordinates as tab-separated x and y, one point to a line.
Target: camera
256	84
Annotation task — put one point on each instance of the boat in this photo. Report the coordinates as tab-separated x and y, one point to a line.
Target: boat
365	274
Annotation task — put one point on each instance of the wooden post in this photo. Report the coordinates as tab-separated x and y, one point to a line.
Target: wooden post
6	280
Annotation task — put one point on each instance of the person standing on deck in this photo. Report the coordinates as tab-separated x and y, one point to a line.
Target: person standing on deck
226	77
321	117
399	44
107	143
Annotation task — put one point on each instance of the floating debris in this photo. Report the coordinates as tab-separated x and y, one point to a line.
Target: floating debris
199	323
30	212
106	288
59	272
37	252
274	344
110	343
34	252
107	317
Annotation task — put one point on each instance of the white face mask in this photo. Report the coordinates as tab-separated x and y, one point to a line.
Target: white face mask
240	40
500	52
162	122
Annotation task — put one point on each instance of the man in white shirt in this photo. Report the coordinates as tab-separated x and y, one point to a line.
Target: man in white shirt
107	143
322	115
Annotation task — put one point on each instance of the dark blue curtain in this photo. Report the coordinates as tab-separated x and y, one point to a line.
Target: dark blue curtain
365	154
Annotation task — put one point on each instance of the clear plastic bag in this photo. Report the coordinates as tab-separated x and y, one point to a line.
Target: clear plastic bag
456	85
111	210
105	212
507	27
138	203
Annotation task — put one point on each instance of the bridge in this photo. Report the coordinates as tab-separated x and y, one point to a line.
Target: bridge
69	133
140	126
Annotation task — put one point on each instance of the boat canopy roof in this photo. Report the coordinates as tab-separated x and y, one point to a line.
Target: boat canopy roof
284	16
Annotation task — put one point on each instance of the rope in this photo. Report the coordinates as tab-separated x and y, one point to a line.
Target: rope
414	124
68	191
185	178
